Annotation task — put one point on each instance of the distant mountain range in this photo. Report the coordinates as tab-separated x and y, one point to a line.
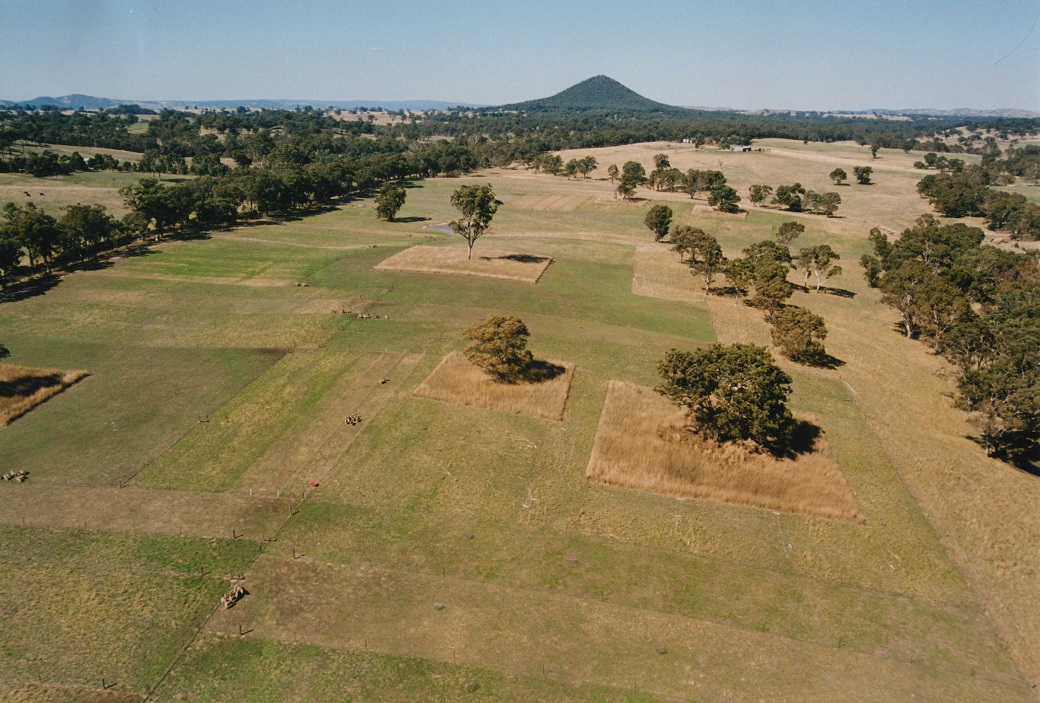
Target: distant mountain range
596	94
90	102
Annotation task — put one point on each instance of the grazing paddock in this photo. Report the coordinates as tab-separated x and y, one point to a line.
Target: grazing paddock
641	444
22	388
487	263
219	397
456	380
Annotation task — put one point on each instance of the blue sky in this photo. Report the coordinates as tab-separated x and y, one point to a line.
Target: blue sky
803	54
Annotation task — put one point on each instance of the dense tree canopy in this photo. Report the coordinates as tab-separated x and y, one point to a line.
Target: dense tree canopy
733	393
799	334
389	201
658	219
499	346
980	308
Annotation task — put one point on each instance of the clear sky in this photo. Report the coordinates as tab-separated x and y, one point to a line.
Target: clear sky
804	54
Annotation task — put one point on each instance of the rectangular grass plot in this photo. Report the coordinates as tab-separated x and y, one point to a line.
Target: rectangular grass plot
485	262
640	443
456	380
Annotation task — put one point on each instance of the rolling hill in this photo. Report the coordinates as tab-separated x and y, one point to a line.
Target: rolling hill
596	94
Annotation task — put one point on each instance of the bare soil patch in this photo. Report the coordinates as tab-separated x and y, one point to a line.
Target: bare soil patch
456	380
640	443
488	263
22	388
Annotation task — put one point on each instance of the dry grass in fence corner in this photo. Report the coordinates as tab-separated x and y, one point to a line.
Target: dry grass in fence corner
22	388
640	443
485	262
456	380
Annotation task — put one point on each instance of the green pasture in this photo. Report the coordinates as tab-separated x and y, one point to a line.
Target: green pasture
225	364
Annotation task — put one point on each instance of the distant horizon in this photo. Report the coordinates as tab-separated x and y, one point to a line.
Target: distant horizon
380	102
807	55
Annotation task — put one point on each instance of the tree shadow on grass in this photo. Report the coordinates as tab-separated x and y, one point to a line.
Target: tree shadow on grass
24	386
521	258
728	292
29	289
412	219
840	292
540	371
803	439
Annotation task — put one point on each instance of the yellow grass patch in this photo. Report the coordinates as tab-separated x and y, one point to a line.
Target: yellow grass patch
485	262
640	443
456	380
22	388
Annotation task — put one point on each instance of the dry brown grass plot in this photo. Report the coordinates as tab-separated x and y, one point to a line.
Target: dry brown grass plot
485	262
640	444
22	388
456	380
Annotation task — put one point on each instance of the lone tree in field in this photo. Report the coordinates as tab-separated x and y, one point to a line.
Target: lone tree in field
733	393
799	335
816	261
658	219
389	201
758	193
706	259
724	199
612	172
838	175
499	347
477	205
862	174
4	352
788	232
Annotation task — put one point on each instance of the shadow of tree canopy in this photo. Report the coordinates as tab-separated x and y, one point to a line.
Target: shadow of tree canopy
803	439
539	371
412	219
521	258
27	385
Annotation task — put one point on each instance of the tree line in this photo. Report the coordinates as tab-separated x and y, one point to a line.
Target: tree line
979	307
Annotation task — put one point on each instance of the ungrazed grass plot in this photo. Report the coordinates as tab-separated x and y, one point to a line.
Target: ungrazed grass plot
490	264
456	380
22	388
640	443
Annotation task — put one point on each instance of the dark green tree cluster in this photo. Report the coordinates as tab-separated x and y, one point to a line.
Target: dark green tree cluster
762	276
979	307
795	197
28	232
732	393
706	259
942	164
968	195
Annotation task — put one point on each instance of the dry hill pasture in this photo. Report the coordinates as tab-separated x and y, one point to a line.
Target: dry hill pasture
440	551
